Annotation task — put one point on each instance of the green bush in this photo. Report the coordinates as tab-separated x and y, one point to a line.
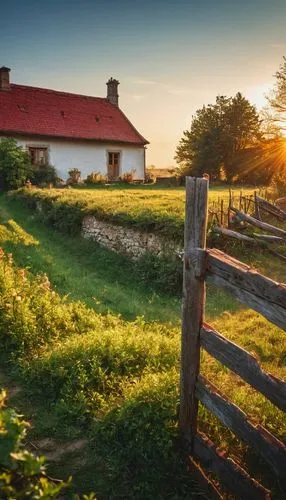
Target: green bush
15	164
61	216
43	175
33	315
135	442
165	274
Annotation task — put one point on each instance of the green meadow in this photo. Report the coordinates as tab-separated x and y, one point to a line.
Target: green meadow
93	348
161	210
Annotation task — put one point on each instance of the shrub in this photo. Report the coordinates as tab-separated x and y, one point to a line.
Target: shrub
136	440
127	177
22	475
74	176
33	315
15	164
149	178
165	274
95	178
42	175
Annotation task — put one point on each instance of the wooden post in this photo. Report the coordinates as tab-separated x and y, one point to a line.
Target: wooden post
256	205
221	212
193	302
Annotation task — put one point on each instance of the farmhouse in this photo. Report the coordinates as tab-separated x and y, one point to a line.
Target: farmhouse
69	131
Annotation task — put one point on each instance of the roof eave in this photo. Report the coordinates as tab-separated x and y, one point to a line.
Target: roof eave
77	138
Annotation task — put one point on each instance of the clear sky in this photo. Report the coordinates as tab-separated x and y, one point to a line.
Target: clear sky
171	57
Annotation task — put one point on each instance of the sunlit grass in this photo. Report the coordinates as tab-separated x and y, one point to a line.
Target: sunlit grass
158	210
118	381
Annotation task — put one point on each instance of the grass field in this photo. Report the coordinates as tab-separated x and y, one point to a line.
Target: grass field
110	379
147	208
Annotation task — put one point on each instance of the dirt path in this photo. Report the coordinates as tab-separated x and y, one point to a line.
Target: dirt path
63	457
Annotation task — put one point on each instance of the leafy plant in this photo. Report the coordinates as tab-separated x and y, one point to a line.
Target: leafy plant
22	474
15	164
149	177
74	176
127	177
95	178
43	175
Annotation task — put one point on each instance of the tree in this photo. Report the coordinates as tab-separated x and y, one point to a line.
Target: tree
277	98
218	133
15	164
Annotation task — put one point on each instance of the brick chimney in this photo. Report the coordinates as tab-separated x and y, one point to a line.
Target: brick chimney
4	78
112	91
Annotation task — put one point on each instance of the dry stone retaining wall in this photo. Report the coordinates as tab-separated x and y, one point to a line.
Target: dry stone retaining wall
128	241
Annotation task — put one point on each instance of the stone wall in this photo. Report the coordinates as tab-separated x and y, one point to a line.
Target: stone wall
127	241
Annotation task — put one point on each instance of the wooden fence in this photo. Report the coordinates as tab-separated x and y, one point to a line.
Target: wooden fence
220	210
264	296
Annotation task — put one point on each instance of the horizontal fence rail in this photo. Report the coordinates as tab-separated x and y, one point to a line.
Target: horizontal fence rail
262	441
250	287
259	223
232	475
244	364
258	292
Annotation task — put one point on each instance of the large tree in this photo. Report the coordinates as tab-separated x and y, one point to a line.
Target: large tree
218	133
277	98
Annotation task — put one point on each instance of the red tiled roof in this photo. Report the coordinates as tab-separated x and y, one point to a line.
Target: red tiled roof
44	112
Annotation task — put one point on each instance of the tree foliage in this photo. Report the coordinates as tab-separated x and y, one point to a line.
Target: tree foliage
15	164
218	133
277	98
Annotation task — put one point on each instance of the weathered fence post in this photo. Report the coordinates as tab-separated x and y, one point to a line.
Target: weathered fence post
221	212
193	302
256	207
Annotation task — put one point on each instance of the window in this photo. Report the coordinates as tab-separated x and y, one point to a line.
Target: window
39	156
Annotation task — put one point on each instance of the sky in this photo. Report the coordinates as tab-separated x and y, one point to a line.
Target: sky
171	57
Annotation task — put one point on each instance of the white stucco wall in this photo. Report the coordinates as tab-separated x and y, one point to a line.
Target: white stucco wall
88	156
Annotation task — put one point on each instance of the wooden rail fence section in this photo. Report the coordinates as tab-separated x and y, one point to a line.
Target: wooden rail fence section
264	296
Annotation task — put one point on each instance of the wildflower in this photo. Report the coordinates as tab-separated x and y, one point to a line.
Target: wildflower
18	298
